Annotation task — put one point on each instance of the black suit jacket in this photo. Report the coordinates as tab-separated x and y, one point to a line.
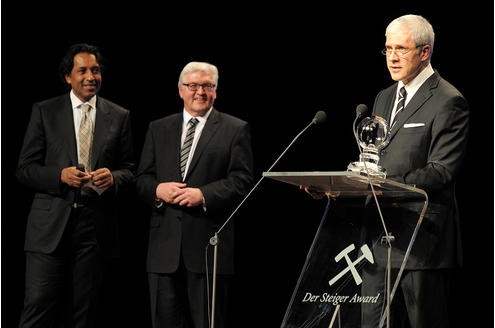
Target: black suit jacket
49	146
426	149
221	167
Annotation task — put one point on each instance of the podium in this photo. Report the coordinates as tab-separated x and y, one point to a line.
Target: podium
368	224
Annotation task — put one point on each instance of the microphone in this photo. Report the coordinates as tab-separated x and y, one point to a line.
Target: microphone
80	167
361	109
319	117
77	193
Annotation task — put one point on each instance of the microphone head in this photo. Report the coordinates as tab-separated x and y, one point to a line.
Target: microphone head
320	117
361	109
80	167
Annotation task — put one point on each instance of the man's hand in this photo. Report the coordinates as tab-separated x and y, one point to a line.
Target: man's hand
72	177
313	192
178	193
102	178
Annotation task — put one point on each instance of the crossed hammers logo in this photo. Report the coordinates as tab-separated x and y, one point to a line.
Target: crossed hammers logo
352	265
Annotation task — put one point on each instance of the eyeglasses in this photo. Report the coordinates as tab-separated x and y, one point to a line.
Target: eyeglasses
401	52
195	86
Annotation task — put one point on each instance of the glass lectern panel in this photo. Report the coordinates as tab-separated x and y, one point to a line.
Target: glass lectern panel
351	241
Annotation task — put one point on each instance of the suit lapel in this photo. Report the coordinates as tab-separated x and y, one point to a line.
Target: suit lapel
103	122
208	132
384	108
62	117
389	106
174	135
420	97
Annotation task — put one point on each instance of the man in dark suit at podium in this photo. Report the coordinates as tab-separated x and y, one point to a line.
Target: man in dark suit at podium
429	122
429	132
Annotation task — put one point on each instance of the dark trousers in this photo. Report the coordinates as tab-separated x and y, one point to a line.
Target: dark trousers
61	287
421	299
180	299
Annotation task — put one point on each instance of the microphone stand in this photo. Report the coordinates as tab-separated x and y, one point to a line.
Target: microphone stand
388	238
320	117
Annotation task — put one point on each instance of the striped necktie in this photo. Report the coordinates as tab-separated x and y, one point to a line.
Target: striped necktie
85	137
400	105
186	147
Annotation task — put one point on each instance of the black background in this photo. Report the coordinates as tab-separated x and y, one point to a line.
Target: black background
278	67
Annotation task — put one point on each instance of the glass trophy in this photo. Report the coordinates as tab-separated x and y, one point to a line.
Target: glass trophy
372	134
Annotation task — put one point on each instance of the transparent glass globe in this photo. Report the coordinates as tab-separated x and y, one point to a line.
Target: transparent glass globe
373	134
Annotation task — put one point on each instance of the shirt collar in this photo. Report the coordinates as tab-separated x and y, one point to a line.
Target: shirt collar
416	83
201	119
76	102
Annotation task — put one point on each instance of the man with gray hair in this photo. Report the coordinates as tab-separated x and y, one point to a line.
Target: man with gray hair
429	122
196	166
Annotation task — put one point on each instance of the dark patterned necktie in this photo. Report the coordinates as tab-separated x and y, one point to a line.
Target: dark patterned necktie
186	146
400	105
85	137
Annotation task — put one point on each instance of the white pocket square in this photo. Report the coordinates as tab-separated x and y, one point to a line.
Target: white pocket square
413	125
